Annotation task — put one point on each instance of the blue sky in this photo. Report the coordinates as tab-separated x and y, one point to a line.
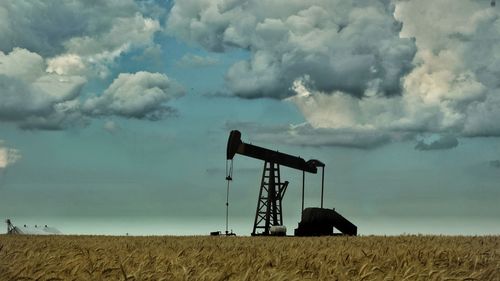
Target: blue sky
114	116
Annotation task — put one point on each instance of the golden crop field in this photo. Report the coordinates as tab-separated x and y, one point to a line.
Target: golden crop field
249	258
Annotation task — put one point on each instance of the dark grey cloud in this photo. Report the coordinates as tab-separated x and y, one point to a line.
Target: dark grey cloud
444	142
39	26
349	46
77	37
45	27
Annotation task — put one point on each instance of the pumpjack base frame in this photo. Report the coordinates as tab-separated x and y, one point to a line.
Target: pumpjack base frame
321	221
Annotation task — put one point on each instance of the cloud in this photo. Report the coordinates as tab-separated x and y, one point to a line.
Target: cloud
8	156
111	127
192	60
348	46
57	25
150	55
352	67
456	73
33	98
49	24
140	95
65	64
46	61
444	142
407	115
305	135
78	37
94	53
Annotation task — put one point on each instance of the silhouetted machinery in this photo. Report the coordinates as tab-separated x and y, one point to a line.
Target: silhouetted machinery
269	215
11	229
28	230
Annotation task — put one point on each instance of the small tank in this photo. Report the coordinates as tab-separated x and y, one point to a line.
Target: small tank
278	230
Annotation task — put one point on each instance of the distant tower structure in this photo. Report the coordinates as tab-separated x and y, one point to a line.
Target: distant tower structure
11	229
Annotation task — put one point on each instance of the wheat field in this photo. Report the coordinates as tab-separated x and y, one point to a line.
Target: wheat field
249	258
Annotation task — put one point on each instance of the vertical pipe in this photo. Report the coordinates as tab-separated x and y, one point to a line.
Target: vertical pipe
303	183
227	207
322	184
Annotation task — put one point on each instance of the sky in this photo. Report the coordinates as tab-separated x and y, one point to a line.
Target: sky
114	115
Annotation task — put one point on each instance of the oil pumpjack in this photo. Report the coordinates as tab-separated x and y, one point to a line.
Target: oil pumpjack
269	215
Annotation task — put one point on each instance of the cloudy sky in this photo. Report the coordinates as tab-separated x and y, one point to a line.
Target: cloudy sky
114	115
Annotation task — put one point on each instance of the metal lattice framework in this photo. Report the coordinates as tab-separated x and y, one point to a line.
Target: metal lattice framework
269	205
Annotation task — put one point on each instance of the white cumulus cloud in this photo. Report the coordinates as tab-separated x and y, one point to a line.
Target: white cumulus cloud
141	95
65	64
31	97
49	50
